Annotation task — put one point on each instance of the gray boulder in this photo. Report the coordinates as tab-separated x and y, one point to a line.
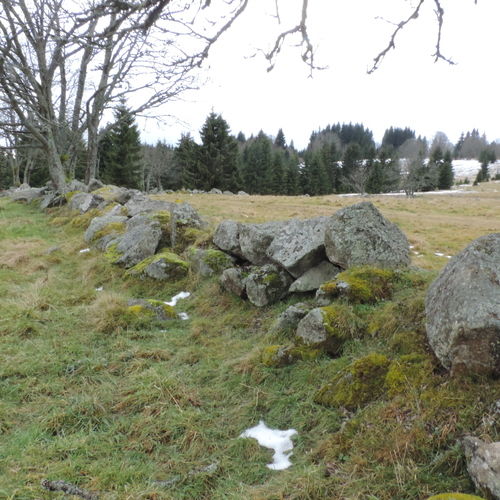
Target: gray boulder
242	193
267	284
360	235
234	280
27	194
291	316
143	308
463	309
51	200
215	191
483	464
228	193
76	185
162	266
312	329
227	237
94	184
113	193
109	224
299	245
209	262
139	242
83	202
255	239
315	277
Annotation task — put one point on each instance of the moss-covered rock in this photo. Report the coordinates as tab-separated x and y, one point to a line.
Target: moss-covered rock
410	371
364	285
328	328
162	266
407	342
362	382
282	355
455	496
112	254
208	262
150	309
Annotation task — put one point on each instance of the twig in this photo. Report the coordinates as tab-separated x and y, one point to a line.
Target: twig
69	489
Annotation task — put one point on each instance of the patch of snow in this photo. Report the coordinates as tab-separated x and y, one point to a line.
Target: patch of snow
85	250
176	298
99	289
412	246
439	254
183	316
416	253
274	439
449	256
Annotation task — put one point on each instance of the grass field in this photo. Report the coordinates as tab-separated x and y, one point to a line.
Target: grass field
138	410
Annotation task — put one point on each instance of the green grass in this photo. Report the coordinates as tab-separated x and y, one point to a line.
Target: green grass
114	408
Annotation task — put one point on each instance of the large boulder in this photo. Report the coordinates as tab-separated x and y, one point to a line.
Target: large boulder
360	235
234	280
463	309
27	194
208	262
299	245
227	237
76	185
83	202
165	265
290	317
51	200
139	242
114	193
267	284
106	225
315	277
183	212
483	464
255	239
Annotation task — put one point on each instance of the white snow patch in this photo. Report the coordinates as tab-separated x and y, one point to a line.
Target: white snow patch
412	246
85	250
439	254
176	298
449	256
99	289
183	316
279	441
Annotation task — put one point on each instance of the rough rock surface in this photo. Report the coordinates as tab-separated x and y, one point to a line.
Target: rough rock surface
227	236
359	235
255	239
463	309
94	184
315	277
114	193
52	200
290	317
299	245
267	284
83	202
139	242
162	266
234	280
76	185
483	464
99	223
312	329
209	262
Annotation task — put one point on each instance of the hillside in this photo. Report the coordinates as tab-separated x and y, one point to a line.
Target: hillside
135	408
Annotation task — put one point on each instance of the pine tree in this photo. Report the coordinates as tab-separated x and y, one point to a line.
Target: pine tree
256	170
280	141
120	147
218	155
186	161
445	180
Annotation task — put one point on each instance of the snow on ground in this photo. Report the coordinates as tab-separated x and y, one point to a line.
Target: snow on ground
470	168
183	316
84	250
176	298
274	439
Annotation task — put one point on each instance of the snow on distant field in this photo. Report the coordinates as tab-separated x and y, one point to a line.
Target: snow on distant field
470	168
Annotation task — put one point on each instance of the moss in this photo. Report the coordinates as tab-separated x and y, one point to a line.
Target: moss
271	279
407	343
341	324
169	311
362	382
407	313
198	237
139	310
112	254
455	496
83	220
217	260
362	284
281	355
163	217
112	228
69	195
167	256
411	371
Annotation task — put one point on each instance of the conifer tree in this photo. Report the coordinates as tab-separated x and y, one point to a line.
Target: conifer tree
186	161
445	179
280	141
218	155
256	169
120	159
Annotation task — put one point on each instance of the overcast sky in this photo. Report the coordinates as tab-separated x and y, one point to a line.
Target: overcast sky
409	89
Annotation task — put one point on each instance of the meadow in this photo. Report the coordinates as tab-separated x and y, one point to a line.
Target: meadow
147	410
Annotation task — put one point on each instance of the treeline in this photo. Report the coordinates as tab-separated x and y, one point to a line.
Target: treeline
340	158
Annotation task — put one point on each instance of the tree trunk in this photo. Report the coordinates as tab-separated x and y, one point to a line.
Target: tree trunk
56	169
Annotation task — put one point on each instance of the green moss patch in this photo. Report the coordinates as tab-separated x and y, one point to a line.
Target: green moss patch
362	382
362	284
112	228
112	254
171	260
409	372
282	355
455	496
342	324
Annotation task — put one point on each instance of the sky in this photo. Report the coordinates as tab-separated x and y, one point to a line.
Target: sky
408	90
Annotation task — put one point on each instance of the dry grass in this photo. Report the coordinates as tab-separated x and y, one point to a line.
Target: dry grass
433	223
